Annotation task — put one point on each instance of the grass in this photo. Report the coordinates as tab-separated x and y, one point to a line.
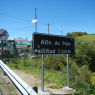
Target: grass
1	83
91	37
37	83
9	88
58	80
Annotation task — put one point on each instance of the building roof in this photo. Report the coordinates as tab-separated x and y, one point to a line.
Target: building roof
21	45
20	39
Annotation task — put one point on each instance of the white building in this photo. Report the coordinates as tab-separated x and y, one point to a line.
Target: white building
21	41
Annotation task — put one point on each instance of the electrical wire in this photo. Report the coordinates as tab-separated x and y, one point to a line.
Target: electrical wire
21	28
46	30
55	27
38	23
14	17
80	19
20	18
42	23
85	21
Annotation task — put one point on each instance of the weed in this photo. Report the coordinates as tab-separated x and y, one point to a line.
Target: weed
36	84
55	73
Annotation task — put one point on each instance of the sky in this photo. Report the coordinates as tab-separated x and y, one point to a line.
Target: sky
63	16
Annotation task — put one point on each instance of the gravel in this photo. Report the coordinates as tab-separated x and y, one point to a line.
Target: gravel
8	87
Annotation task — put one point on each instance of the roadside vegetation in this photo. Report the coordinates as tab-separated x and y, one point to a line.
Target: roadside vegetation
81	69
6	88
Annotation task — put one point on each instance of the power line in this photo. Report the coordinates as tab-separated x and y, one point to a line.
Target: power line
21	28
42	23
55	27
14	17
20	18
46	30
85	21
27	21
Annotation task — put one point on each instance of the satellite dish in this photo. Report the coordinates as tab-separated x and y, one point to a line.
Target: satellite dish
3	35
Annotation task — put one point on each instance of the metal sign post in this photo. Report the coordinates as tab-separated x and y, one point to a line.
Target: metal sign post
42	81
68	70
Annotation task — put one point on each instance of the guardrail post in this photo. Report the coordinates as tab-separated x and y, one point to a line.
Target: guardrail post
35	89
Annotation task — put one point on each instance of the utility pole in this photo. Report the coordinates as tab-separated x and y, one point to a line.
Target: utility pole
48	33
35	19
48	28
61	32
59	54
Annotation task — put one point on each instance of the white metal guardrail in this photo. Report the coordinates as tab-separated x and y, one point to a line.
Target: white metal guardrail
24	88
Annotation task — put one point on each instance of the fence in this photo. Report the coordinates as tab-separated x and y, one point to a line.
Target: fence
24	88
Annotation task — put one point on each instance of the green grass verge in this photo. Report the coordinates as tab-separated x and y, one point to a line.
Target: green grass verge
57	78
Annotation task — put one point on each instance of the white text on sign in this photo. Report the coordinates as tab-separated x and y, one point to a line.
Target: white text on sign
65	43
52	51
45	51
47	42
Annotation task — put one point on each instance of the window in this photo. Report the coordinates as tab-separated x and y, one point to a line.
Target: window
20	41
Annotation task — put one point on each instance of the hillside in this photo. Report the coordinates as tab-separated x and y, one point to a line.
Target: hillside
90	37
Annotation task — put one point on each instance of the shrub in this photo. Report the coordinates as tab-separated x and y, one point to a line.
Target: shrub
93	80
84	73
75	34
84	53
80	79
73	71
53	64
80	74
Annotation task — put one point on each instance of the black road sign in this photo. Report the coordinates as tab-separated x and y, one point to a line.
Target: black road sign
52	44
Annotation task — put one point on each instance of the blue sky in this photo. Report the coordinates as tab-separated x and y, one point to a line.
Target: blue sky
62	15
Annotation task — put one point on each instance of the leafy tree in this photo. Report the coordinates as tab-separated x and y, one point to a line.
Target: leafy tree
75	34
68	34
